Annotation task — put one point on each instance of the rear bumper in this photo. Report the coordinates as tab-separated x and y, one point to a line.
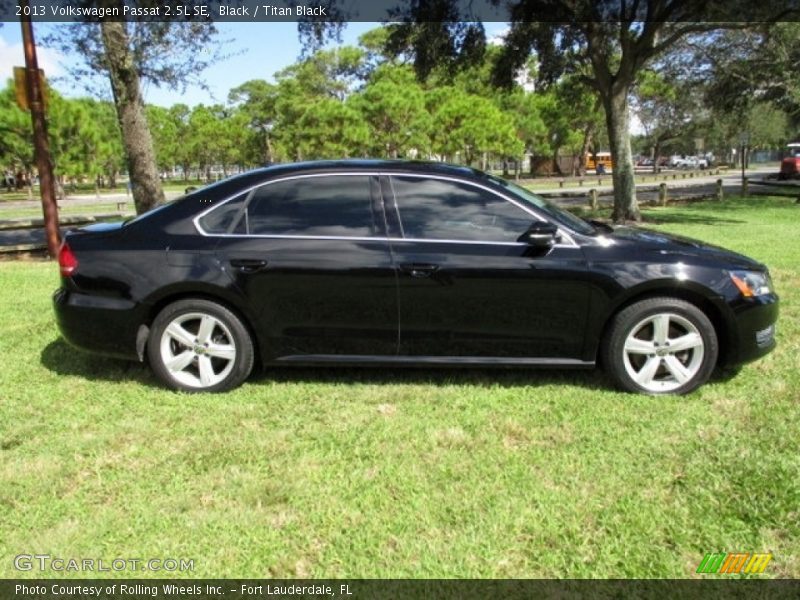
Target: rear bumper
754	329
97	324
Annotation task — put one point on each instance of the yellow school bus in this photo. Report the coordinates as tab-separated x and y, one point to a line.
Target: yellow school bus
603	158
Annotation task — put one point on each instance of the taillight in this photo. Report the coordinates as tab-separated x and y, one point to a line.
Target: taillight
67	261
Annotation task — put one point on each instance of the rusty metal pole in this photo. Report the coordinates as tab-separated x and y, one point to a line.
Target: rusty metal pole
41	142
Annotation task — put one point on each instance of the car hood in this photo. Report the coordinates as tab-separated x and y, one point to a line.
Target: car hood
667	243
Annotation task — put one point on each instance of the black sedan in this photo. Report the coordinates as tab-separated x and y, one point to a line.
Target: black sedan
404	263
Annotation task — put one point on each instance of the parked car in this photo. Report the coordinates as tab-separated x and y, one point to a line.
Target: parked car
790	165
689	162
404	263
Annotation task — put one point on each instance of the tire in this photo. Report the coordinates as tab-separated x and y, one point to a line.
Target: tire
200	346
660	346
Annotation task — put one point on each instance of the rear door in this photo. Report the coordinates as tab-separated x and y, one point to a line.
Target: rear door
467	287
310	254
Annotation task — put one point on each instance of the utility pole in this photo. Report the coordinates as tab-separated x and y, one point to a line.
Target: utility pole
41	143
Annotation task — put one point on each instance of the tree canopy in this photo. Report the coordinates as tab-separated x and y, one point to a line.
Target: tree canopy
366	100
127	53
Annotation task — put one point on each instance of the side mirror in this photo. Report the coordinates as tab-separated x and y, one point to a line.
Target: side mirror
540	234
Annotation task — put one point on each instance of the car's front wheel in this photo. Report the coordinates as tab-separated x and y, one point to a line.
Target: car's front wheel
661	346
197	345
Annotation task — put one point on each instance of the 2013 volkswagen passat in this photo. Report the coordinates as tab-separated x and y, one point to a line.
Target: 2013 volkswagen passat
397	263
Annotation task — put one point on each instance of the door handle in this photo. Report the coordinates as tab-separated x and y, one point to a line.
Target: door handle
248	265
420	270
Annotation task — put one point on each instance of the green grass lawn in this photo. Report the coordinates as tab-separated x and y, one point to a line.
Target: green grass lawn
404	473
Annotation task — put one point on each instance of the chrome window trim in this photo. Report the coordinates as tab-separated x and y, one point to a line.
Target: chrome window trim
196	221
478	242
278	236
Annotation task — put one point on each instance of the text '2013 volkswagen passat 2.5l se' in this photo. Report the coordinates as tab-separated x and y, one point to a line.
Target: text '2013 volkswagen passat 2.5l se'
404	263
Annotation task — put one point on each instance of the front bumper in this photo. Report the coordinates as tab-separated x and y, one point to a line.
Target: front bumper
97	324
754	329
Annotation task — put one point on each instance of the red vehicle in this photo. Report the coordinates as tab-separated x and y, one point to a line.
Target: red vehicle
790	166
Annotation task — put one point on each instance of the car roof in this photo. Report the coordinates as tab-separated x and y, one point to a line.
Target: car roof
256	176
366	164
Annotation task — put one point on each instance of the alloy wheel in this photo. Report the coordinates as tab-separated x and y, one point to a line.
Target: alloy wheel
198	350
663	352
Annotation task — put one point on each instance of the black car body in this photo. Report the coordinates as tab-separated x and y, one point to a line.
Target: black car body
393	262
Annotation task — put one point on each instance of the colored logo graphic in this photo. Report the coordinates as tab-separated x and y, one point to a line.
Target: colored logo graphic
734	562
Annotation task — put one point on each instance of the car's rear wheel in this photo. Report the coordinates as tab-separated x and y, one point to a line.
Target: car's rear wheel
197	345
661	346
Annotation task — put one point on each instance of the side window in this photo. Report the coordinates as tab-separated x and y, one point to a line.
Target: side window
228	218
337	205
448	210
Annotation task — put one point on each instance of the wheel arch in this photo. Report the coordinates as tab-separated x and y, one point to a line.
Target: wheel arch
693	294
218	295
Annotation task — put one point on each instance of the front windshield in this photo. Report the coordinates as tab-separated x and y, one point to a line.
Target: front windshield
562	217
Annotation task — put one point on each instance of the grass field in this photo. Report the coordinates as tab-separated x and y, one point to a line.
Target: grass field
393	473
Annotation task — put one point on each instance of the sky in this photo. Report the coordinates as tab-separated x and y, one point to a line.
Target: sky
259	50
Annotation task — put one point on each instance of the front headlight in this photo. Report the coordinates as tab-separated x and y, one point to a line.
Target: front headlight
751	283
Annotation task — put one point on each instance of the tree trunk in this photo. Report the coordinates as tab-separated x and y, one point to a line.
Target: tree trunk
655	152
59	187
626	208
270	158
142	170
556	162
588	135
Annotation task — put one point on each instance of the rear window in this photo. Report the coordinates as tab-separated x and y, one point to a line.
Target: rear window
332	205
228	218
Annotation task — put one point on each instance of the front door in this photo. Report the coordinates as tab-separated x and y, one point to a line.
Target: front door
468	288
